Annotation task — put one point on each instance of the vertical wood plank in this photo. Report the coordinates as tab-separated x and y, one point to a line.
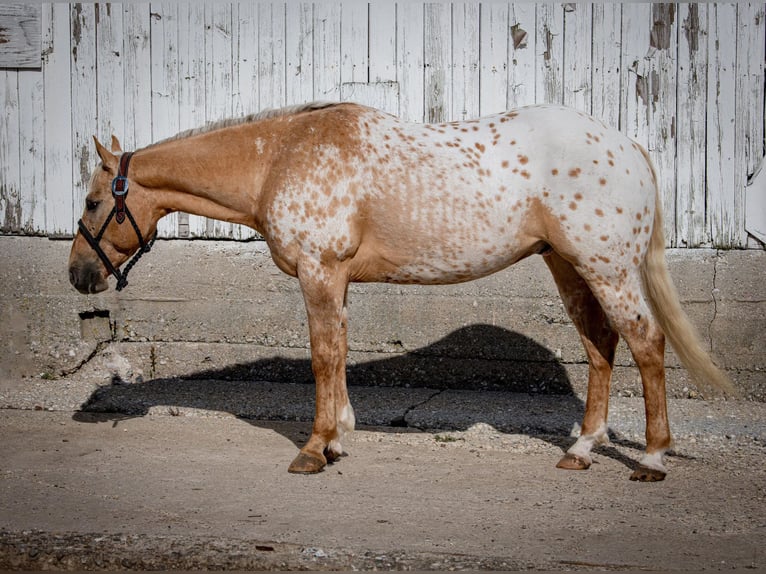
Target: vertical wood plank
138	89
246	45
271	56
10	175
109	77
721	125
493	56
57	72
663	48
550	54
164	81
327	59
522	54
299	48
437	52
192	99
32	151
354	66
634	117
84	103
245	42
750	122
410	28
219	77
577	53
465	61
607	38
691	126
383	35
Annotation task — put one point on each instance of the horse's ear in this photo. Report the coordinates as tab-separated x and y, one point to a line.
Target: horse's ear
116	147
108	158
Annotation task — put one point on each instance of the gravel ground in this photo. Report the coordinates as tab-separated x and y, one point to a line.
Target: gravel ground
177	474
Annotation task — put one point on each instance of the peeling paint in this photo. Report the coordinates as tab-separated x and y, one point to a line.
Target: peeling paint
519	36
548	44
663	18
692	29
12	216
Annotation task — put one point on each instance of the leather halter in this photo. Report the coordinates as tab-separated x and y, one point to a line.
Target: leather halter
119	211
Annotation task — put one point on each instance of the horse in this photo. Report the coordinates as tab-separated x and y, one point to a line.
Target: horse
342	192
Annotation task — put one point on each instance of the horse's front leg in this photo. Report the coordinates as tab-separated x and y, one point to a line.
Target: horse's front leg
324	292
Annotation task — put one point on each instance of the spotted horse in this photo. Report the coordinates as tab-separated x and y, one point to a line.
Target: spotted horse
343	192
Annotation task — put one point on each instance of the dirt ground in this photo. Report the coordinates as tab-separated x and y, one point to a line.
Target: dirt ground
188	490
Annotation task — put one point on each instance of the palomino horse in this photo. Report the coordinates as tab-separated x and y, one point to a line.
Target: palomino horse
342	192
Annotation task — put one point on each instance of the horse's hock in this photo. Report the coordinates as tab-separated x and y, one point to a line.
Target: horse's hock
223	309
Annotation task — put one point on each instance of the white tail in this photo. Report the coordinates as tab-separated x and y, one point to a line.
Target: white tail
663	299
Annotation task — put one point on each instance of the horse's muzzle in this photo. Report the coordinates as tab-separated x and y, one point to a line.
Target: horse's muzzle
87	279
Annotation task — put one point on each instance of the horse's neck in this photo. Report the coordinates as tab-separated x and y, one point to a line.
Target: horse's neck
216	174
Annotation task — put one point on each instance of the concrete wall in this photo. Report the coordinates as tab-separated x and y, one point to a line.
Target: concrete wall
223	310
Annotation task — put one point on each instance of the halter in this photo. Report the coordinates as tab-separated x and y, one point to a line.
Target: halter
119	211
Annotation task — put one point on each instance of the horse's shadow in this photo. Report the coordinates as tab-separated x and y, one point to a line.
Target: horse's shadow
527	391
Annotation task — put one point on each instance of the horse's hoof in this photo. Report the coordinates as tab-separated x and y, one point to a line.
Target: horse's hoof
646	474
573	462
306	464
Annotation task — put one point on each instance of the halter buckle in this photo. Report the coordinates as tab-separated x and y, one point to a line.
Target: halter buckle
119	191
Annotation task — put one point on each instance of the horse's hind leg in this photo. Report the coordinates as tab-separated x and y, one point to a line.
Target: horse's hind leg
600	342
629	314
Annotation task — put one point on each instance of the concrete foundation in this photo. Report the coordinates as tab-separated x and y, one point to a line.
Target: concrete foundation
222	310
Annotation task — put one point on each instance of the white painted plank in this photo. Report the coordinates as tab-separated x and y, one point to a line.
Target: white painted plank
493	57
245	64
137	73
354	66
691	126
607	26
299	49
84	103
31	144
246	43
662	111
550	53
165	89
271	56
750	122
721	126
465	61
522	54
382	50
437	59
634	118
219	80
191	91
57	72
10	175
327	58
110	93
410	60
577	53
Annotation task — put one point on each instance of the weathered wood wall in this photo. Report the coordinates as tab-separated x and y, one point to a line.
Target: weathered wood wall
685	80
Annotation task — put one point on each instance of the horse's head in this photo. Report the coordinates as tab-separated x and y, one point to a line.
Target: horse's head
114	225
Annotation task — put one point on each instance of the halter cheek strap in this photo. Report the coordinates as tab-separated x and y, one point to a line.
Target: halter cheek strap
119	212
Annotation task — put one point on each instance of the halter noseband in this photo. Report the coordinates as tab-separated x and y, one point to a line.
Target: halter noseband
119	211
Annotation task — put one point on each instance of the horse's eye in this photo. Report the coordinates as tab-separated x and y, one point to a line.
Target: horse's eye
91	205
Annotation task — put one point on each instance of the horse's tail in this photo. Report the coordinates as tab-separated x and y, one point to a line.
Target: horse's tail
666	307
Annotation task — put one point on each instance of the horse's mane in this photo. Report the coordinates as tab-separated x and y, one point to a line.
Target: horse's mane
262	115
